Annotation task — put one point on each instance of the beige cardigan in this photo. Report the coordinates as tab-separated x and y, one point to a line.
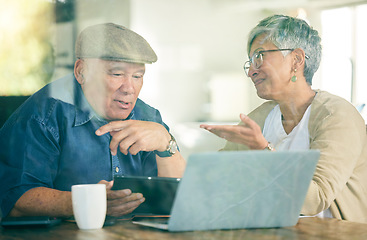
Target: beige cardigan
340	180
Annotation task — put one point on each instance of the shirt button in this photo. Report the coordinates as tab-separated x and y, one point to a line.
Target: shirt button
117	169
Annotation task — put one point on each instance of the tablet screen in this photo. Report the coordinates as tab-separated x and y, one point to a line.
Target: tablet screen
159	192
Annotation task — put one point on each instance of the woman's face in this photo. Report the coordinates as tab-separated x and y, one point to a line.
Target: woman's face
272	78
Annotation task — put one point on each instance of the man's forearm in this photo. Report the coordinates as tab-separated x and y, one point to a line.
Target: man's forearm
171	166
43	201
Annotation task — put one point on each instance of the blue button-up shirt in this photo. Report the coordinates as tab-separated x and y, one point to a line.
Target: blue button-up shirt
50	142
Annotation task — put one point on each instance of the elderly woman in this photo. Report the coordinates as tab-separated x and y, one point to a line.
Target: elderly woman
284	53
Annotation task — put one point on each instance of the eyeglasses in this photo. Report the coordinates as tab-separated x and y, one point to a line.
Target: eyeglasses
257	59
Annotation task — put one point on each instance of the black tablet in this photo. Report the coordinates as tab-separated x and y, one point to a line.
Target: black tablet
29	222
159	192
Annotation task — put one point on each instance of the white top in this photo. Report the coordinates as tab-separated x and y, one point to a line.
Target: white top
297	139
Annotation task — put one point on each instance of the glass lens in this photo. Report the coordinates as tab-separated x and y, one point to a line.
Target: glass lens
246	67
257	59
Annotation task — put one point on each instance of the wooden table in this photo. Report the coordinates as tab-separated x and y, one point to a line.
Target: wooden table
307	228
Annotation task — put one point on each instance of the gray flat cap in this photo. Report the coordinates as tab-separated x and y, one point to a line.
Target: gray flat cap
113	42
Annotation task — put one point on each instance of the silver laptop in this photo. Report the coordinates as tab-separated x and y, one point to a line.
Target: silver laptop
241	189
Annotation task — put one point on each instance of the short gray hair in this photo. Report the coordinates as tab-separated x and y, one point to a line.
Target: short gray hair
289	32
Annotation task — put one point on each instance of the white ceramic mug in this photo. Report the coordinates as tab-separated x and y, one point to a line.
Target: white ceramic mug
89	205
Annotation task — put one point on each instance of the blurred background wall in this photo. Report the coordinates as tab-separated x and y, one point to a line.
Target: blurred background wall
201	48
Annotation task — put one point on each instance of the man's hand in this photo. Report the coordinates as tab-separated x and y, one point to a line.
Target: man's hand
134	136
121	202
248	133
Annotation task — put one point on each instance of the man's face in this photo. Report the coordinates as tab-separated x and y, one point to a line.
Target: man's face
111	87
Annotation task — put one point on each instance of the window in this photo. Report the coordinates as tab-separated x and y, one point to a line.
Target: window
345	53
26	54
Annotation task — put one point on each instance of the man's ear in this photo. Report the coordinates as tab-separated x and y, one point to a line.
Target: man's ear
78	71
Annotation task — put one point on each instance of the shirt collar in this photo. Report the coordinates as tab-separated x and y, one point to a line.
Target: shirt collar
83	111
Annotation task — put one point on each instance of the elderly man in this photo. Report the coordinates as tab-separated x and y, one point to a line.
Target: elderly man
86	128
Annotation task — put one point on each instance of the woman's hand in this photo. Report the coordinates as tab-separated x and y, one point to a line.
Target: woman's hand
249	133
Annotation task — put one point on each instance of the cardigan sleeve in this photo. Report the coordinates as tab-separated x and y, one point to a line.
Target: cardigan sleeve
338	131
